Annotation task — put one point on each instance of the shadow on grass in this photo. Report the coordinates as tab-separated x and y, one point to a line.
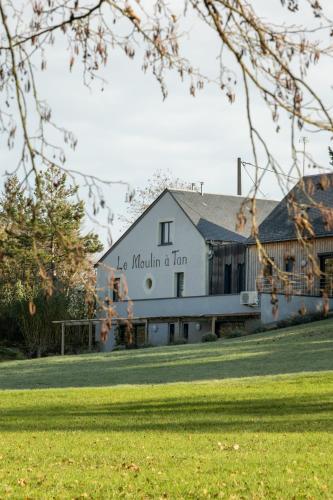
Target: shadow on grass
280	352
195	414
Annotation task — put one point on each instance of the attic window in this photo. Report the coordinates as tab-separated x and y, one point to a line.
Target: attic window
165	233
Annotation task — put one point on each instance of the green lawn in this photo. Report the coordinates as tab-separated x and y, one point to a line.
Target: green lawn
246	418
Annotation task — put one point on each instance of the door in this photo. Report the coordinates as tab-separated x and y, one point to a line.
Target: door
240	277
139	335
171	333
185	331
227	278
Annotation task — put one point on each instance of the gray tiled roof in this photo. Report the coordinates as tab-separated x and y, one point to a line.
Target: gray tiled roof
279	225
215	215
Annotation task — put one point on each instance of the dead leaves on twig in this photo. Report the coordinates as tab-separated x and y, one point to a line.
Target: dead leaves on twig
228	447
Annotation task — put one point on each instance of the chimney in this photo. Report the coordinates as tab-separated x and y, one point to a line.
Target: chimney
239	176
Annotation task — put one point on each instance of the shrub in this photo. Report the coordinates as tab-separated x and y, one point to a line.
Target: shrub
119	347
300	319
232	334
179	341
7	353
209	337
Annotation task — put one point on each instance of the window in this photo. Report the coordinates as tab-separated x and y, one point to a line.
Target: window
240	277
289	264
326	280
149	283
179	284
165	233
268	270
185	331
116	290
227	278
171	333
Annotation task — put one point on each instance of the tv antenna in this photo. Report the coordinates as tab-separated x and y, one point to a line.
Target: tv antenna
305	140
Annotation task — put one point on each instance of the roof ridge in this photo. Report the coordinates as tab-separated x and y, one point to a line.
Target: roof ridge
236	196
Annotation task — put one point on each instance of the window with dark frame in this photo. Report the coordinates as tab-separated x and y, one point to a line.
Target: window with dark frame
289	264
165	233
116	290
179	284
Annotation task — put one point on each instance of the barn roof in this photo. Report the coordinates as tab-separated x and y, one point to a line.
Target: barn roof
309	191
215	215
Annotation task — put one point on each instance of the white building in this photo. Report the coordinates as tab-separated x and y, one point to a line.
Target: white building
179	269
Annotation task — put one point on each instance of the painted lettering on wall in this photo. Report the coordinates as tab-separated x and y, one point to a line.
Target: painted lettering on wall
140	261
178	260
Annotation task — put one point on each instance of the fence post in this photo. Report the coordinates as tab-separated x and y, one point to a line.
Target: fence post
62	338
213	324
90	334
146	331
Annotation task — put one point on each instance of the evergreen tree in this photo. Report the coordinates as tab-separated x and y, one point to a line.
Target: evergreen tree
45	260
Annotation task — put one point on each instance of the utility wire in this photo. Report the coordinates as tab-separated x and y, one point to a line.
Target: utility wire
252	180
269	170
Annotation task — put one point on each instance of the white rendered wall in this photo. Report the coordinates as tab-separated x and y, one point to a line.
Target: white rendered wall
139	256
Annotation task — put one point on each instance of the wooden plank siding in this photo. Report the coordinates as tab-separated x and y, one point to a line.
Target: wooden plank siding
226	255
279	251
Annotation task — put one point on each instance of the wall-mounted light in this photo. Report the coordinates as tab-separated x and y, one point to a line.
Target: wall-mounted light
155	328
198	327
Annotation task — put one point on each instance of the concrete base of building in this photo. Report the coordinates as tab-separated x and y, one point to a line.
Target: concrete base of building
161	332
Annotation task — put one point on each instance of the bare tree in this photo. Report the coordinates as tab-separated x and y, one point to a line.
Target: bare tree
143	197
273	60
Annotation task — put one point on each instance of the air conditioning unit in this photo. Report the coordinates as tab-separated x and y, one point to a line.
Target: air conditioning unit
249	298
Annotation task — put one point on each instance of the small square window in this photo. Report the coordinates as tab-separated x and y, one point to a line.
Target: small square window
165	233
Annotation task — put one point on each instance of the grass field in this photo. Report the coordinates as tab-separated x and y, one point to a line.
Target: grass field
245	418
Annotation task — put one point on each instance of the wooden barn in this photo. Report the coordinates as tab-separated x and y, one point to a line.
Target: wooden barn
297	238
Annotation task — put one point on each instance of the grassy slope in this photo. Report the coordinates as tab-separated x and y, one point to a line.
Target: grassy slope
254	437
293	350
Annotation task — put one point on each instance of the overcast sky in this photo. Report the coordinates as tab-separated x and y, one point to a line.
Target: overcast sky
127	131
